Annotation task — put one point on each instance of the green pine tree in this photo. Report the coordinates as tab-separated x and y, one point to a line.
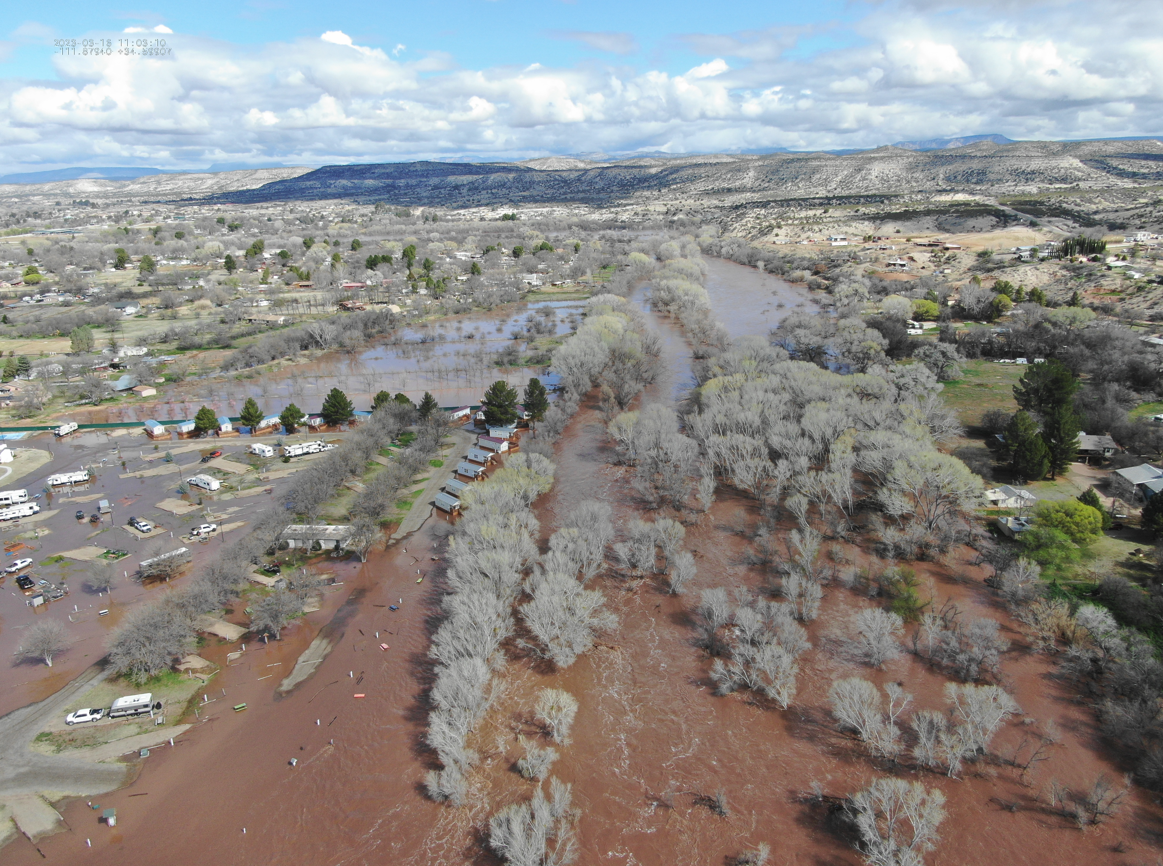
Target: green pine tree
337	409
403	400
1090	497
1060	431
251	415
23	366
205	420
9	369
1045	386
1029	459
1152	519
535	400
291	417
428	406
500	404
381	399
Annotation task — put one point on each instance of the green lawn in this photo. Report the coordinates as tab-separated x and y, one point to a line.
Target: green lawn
1145	409
984	385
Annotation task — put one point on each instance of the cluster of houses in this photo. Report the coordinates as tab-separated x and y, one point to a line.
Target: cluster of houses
269	425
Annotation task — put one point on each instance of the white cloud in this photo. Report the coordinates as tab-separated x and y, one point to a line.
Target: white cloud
1042	70
613	43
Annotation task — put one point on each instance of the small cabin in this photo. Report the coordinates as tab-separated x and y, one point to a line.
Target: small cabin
455	486
447	503
225	425
479	455
470	470
493	443
462	414
184	428
154	430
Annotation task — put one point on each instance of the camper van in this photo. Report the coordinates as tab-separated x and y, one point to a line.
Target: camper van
13	497
80	477
12	512
260	450
301	448
67	428
133	705
206	482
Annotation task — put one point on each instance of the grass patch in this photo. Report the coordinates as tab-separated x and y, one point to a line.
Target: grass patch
1145	409
388	452
984	385
406	439
436	464
52	560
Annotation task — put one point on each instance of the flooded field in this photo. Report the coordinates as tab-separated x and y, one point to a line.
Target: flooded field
454	359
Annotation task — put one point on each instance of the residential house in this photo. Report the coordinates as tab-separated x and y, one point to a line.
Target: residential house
1136	484
448	503
1013	526
307	536
1100	447
1010	497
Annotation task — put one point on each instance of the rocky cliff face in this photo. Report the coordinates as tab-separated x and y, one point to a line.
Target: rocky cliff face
983	168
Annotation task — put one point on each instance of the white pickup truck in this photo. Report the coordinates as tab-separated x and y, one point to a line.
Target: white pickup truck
204	530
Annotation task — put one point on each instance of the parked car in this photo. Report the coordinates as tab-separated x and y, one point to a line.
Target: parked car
80	514
91	714
18	565
211	456
140	525
94	518
25	582
204	530
274	568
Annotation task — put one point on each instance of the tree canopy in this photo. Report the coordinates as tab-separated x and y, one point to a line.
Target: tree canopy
291	417
205	420
500	404
251	415
337	409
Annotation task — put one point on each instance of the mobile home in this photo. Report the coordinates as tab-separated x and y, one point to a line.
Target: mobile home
270	422
447	503
493	443
154	430
470	470
455	486
462	414
479	455
184	428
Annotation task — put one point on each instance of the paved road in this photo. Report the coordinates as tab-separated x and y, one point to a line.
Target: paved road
23	771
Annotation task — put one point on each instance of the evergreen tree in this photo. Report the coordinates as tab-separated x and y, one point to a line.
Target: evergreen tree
337	409
428	406
1045	386
381	399
147	266
1090	497
229	263
536	400
403	399
1029	458
1152	519
23	366
500	404
10	369
291	417
205	420
251	415
122	259
1060	431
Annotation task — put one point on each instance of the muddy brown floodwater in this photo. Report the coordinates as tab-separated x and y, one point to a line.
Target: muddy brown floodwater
650	741
453	358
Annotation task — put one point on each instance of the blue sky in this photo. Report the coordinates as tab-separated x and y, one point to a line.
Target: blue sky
290	82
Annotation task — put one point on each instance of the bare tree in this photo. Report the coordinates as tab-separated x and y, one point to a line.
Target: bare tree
273	613
1093	805
897	821
857	705
556	709
44	640
536	833
682	570
100	576
536	761
565	618
149	640
92	388
877	640
365	534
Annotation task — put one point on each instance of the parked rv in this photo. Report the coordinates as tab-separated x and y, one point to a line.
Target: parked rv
67	428
13	497
80	477
206	482
260	450
14	512
134	705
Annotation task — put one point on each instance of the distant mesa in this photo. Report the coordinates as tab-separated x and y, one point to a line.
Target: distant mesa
947	143
83	173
